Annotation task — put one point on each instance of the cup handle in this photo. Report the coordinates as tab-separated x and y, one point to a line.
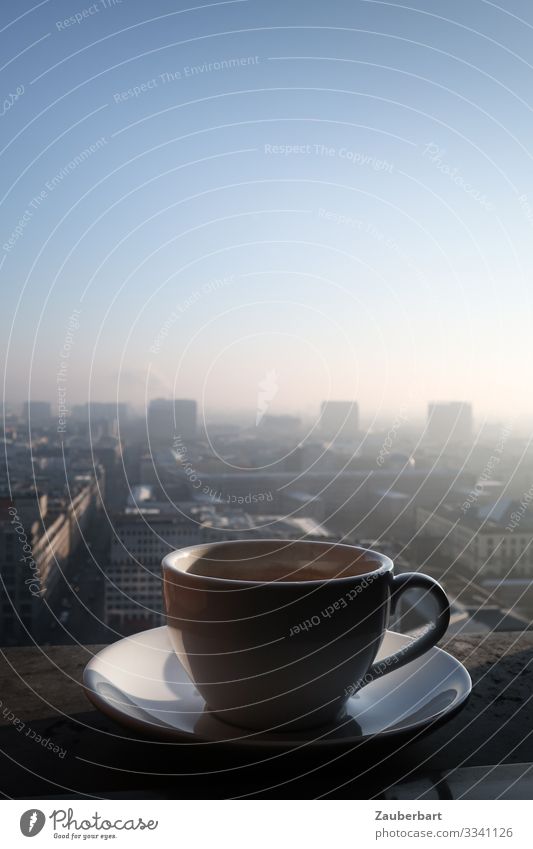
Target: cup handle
430	635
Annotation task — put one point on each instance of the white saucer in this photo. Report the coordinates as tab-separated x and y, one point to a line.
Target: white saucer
140	683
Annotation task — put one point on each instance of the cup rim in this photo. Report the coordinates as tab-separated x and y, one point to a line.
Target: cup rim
172	559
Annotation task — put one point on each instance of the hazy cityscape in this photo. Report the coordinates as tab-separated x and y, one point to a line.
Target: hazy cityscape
95	496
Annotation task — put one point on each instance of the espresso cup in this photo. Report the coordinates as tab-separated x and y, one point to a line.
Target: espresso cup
278	634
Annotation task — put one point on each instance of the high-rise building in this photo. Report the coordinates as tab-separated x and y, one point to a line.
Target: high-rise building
37	413
133	589
449	422
339	420
103	418
169	419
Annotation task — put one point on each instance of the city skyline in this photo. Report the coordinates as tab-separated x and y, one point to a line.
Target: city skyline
130	495
412	417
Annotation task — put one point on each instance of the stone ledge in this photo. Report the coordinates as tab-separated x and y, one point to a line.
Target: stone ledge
38	683
43	682
41	688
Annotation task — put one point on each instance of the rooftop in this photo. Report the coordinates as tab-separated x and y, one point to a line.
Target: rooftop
487	518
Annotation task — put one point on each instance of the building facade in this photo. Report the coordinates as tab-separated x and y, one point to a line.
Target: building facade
36	539
488	547
168	419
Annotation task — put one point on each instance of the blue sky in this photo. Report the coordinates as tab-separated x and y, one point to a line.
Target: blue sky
358	175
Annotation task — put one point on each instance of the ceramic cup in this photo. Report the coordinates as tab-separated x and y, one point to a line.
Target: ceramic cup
278	634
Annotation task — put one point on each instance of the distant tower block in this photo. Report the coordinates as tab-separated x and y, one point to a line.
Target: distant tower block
168	419
37	413
449	422
339	420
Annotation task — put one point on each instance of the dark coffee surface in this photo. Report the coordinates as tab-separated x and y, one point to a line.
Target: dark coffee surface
266	569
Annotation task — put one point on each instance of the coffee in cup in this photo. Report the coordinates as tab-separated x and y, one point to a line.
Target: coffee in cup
277	634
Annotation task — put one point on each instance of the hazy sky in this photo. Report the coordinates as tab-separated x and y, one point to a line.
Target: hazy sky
339	194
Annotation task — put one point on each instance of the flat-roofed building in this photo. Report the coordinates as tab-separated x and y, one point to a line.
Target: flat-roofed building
449	422
339	420
486	539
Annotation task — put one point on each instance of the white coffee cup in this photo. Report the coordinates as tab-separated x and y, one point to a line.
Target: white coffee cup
278	634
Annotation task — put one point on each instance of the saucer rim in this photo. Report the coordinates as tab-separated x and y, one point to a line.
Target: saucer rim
163	733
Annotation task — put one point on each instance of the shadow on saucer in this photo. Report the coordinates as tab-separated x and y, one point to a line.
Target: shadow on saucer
210	727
